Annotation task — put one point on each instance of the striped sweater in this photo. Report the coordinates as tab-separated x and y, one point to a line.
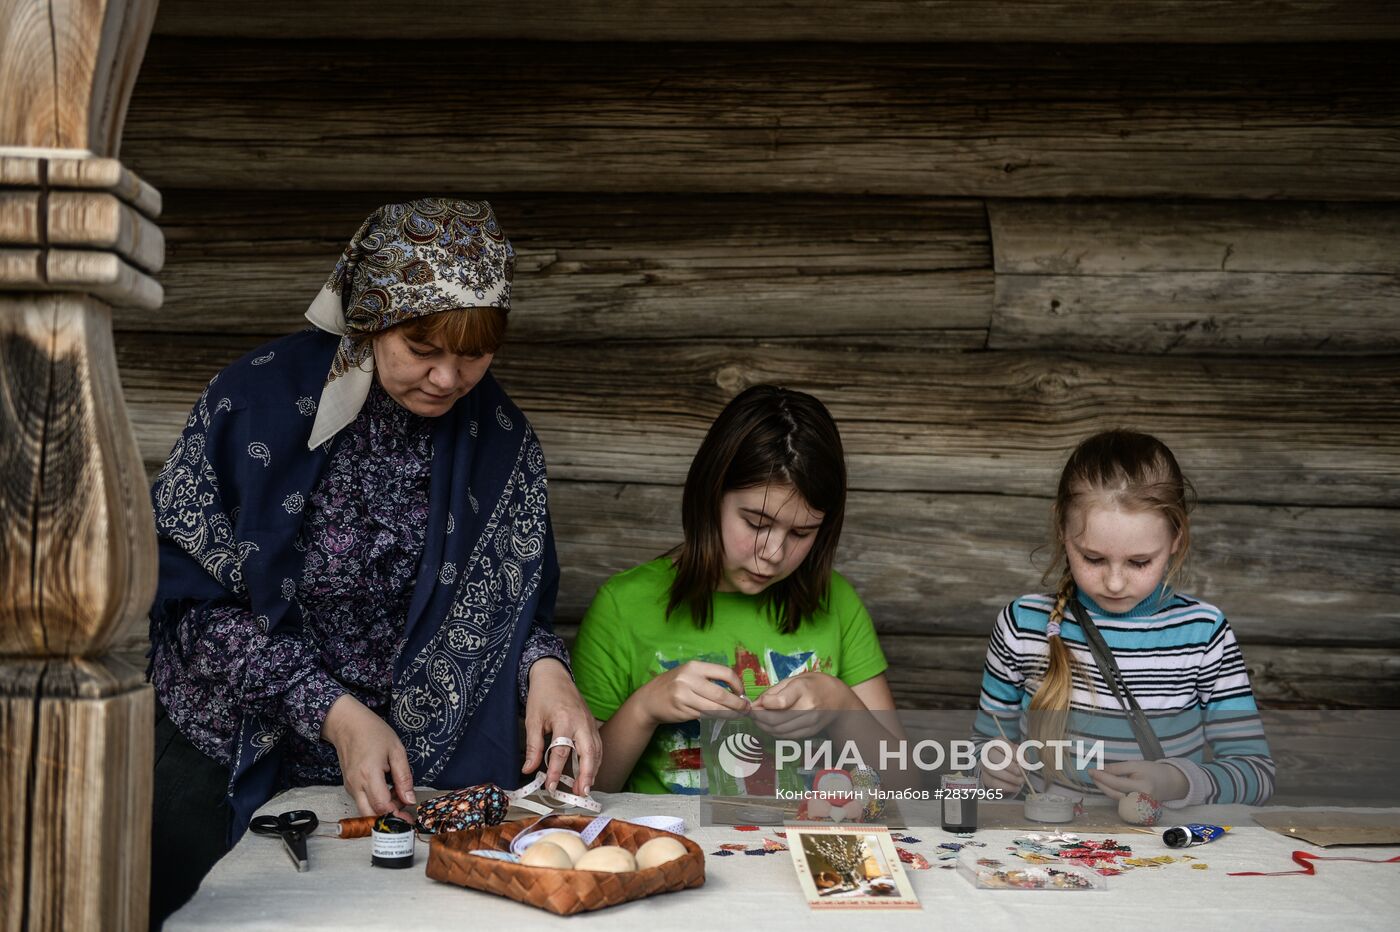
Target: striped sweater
1182	664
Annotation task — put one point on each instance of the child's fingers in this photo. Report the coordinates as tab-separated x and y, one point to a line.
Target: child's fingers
997	780
718	672
776	699
1113	785
723	698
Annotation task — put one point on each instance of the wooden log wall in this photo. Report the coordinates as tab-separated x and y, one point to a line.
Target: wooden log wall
77	542
977	238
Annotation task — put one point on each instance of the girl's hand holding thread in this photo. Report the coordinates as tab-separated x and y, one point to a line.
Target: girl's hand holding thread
1010	778
803	705
1159	780
692	691
368	749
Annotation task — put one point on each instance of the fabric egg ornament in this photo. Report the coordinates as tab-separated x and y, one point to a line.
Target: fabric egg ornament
1139	809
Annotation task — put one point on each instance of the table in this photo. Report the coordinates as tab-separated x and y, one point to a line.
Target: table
255	886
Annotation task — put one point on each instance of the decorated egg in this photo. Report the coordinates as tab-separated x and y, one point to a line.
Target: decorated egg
658	851
1139	809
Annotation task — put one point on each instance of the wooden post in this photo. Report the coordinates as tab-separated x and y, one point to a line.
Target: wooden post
77	543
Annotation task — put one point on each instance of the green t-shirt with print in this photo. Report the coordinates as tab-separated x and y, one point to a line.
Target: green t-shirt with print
626	640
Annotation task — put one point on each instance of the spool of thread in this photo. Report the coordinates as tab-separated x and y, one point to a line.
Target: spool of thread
392	843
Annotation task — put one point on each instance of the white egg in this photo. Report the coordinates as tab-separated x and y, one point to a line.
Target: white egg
609	858
658	851
546	854
572	844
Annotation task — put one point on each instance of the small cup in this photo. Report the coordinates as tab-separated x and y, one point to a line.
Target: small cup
393	843
1049	807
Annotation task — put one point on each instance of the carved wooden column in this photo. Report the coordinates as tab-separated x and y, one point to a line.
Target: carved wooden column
77	543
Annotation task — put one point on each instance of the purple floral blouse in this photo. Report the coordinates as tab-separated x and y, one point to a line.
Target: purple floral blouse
362	535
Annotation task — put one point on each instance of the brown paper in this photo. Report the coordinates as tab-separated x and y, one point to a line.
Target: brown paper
1329	827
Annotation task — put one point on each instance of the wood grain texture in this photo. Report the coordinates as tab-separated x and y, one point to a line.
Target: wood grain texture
102	221
19	707
78	552
1199	312
1303	122
1072	21
29	106
1196	277
98	46
103	274
68	67
88	174
1312	432
77	778
631	267
90	842
19	217
1036	237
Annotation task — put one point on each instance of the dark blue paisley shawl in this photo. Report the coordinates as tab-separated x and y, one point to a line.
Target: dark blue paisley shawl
229	503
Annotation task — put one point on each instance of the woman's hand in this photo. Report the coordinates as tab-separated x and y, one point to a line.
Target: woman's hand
1009	778
803	705
554	707
691	691
1157	779
368	749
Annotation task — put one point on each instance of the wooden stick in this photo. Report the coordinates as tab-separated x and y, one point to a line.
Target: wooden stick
1025	779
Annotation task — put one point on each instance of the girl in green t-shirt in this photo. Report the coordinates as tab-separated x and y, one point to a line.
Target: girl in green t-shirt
746	618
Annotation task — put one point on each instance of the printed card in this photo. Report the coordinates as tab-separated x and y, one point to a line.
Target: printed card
849	867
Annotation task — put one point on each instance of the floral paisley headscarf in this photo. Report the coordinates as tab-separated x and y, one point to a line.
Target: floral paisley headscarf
406	261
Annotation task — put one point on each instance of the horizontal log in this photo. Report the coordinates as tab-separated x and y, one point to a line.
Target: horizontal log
98	220
1302	122
89	174
1312	432
745	20
102	274
1214	277
614	267
1128	237
1216	312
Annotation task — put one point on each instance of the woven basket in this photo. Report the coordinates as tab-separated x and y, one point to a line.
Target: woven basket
561	891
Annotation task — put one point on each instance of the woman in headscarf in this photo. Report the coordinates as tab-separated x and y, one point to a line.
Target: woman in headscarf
357	569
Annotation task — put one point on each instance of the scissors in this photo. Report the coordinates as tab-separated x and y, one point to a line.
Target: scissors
293	826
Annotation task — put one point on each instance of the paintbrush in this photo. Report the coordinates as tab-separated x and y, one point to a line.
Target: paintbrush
1025	779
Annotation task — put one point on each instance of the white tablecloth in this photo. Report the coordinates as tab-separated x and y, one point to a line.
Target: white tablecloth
256	887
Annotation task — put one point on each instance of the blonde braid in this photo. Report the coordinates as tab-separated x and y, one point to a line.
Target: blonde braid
1050	704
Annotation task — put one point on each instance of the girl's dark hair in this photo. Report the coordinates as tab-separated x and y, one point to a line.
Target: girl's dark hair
765	435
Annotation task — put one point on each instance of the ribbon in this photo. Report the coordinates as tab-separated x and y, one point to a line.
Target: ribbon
1304	860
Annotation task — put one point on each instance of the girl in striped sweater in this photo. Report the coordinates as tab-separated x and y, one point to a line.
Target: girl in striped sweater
1120	539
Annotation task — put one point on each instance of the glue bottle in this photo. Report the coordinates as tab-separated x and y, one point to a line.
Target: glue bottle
391	843
959	798
1192	834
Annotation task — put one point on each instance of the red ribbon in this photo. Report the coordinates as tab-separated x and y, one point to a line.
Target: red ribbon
1304	860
